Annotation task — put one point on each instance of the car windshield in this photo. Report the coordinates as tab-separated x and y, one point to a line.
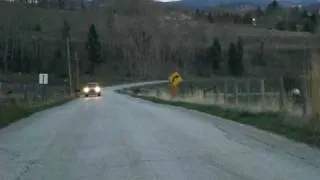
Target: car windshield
92	84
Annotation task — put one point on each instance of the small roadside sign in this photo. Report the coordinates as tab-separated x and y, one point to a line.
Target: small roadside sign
43	78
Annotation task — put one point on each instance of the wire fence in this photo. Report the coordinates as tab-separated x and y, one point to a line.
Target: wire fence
290	96
30	93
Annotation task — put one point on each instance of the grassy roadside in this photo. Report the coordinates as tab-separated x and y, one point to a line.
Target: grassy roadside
272	122
14	112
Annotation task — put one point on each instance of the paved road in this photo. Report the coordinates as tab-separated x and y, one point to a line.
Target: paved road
116	137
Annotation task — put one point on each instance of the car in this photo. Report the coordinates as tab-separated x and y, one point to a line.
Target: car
92	88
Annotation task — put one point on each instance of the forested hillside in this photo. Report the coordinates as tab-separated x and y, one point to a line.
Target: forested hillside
143	39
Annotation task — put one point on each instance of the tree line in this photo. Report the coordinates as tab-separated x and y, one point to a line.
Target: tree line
58	4
212	58
35	54
27	52
292	19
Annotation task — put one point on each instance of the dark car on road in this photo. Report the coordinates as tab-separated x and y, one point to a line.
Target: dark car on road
92	88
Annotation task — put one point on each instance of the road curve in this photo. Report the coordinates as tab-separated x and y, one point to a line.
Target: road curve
117	137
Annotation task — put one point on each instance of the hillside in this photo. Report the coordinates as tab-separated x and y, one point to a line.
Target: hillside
51	21
207	4
172	37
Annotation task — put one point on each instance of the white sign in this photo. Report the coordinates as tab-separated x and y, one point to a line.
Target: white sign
43	78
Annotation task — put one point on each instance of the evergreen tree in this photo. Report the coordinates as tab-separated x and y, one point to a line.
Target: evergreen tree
304	15
273	6
260	58
210	17
232	61
247	18
240	56
215	55
259	12
197	13
235	60
310	23
240	48
93	47
314	18
309	26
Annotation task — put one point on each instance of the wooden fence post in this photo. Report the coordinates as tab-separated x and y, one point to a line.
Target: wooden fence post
236	92
225	91
306	93
248	91
282	96
262	91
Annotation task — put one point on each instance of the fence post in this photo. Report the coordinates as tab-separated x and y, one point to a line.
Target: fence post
225	91
204	93
306	92
281	98
236	92
248	90
157	92
216	95
262	91
191	90
25	94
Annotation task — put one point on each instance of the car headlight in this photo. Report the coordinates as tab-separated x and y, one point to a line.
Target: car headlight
97	89
86	89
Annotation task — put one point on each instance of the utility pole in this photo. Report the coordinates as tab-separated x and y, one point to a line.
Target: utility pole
77	69
66	37
69	65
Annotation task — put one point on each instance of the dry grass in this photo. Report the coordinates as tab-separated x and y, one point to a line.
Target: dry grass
10	113
253	102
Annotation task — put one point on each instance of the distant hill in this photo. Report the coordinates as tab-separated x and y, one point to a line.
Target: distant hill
205	4
313	7
237	7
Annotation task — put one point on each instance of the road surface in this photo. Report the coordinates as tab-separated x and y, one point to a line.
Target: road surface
117	137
